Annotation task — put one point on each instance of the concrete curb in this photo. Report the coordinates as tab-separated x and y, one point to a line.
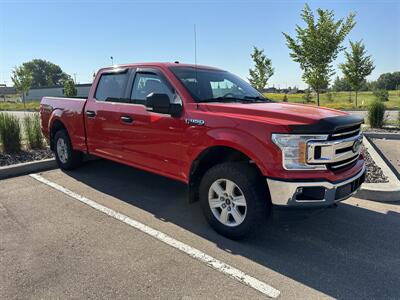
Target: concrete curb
27	168
383	192
382	135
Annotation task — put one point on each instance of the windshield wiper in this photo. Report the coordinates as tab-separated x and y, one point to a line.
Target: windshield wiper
259	98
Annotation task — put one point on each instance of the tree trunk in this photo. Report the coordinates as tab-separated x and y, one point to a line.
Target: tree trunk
23	99
318	97
356	98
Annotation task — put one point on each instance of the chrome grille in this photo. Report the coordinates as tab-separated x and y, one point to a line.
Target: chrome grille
346	132
341	150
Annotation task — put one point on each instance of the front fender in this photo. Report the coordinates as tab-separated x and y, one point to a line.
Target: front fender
260	152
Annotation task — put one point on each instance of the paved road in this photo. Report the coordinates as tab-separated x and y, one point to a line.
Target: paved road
53	246
391	114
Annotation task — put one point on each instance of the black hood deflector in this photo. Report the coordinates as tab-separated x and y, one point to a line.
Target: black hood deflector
328	125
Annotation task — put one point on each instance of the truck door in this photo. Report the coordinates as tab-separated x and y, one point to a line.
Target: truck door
102	114
152	141
120	128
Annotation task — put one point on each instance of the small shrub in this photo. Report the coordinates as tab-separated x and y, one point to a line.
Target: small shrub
398	118
33	131
70	89
10	133
382	95
376	114
307	96
329	96
285	99
350	99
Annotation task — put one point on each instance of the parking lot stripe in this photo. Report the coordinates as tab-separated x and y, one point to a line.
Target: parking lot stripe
193	252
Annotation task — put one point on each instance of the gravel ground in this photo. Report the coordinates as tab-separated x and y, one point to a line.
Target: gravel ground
24	156
374	173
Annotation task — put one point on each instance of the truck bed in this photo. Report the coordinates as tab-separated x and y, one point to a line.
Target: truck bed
71	110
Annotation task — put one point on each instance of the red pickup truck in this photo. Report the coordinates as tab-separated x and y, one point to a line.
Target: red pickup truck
239	152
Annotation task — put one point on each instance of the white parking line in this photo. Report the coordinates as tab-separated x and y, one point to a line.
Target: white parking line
193	252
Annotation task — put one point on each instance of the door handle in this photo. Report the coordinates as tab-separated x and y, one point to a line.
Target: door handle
126	119
90	113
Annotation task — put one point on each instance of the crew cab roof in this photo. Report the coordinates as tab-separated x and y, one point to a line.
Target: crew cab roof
161	65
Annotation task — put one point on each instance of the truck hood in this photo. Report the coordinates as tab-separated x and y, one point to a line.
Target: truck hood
284	113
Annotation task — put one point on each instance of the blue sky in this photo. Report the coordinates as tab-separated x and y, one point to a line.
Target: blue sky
80	36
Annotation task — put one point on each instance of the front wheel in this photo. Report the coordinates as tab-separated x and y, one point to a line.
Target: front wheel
67	158
234	199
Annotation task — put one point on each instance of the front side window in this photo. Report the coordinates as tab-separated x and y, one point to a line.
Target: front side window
216	85
111	87
147	83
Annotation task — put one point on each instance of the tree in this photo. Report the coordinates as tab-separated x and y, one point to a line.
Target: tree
262	70
387	81
69	88
357	66
317	45
44	73
341	84
22	80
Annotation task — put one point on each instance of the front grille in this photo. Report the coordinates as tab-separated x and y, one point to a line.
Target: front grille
343	164
345	132
338	151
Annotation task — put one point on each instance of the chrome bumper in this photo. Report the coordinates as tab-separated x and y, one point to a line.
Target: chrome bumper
308	193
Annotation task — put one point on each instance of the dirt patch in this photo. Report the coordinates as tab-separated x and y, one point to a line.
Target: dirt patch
24	156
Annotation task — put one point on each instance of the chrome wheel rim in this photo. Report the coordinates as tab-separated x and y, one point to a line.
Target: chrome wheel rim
62	150
227	202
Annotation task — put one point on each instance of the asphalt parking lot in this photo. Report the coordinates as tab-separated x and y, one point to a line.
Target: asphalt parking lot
53	246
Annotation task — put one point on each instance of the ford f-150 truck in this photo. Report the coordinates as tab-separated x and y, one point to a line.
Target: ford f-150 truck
239	152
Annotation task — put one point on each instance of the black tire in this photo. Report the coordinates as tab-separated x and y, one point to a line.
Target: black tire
73	158
253	188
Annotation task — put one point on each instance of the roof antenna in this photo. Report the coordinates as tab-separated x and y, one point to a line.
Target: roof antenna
195	61
195	45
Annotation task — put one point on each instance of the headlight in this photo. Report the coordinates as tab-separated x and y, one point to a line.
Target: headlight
294	150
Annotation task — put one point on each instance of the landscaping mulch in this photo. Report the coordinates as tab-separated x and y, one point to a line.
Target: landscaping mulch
374	172
7	159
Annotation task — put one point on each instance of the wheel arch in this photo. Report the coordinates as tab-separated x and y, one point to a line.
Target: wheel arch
210	157
55	126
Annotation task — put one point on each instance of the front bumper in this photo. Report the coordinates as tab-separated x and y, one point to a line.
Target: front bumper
310	193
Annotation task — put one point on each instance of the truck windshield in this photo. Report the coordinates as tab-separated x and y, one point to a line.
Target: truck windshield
207	85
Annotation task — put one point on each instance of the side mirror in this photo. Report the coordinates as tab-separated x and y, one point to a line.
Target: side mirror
160	103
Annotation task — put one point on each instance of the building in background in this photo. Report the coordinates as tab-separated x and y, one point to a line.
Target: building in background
35	94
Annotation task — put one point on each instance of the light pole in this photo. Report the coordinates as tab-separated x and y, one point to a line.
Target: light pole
75	78
112	60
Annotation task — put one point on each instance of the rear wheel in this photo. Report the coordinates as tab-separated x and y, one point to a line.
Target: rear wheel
234	199
67	158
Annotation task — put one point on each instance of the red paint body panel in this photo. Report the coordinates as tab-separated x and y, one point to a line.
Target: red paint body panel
168	146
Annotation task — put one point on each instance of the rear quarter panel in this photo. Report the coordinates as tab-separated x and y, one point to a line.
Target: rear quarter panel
68	111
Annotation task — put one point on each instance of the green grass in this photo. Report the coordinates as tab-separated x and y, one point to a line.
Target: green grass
10	133
32	106
340	100
33	131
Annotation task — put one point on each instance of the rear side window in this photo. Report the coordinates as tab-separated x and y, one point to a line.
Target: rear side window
111	87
